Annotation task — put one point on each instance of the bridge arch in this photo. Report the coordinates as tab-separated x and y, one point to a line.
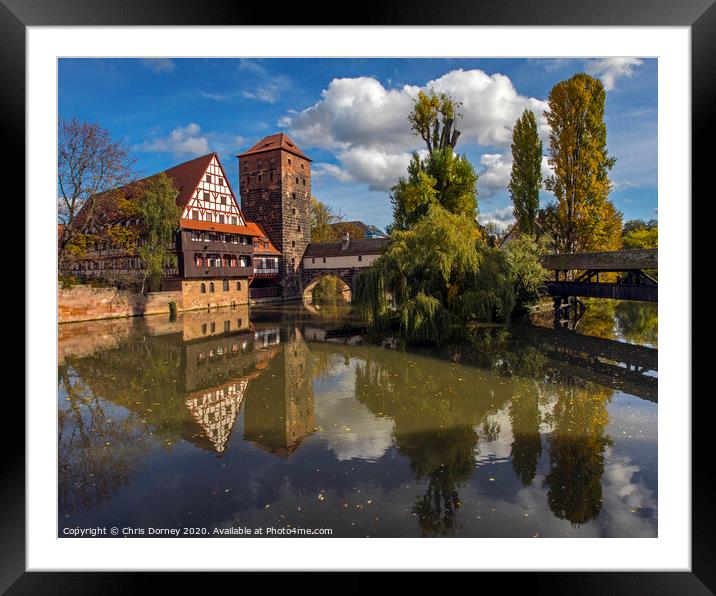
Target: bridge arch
311	278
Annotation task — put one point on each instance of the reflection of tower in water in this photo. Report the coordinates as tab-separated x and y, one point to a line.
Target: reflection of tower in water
280	411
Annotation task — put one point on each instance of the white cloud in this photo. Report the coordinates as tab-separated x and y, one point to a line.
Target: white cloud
321	169
495	174
191	141
379	169
260	84
609	70
366	124
159	65
500	217
183	140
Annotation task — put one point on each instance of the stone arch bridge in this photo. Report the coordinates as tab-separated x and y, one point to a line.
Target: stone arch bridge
343	259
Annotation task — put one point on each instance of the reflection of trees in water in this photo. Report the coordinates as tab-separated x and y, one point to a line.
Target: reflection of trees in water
598	318
97	454
447	459
638	322
577	446
527	443
436	407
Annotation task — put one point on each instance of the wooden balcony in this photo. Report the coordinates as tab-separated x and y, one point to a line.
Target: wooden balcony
191	270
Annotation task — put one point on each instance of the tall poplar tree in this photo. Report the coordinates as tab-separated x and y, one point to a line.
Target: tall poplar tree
526	176
583	218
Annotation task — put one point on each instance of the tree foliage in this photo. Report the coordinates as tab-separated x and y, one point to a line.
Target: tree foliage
637	233
433	119
322	220
90	164
433	278
159	218
526	175
526	271
443	179
583	218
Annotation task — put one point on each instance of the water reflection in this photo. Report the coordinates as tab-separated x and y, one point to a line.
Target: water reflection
368	440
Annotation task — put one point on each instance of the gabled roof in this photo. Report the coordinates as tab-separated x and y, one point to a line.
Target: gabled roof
256	230
186	176
273	142
368	246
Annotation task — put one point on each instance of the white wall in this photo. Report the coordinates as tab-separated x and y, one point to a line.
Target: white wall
338	262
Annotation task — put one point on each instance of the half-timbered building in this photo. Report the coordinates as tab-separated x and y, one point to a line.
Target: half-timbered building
214	244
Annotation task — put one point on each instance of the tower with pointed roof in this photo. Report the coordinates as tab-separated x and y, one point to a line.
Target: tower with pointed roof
275	190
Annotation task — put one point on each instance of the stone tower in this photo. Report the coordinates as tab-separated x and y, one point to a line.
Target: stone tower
275	189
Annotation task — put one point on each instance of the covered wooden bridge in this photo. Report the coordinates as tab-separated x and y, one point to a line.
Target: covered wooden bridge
578	274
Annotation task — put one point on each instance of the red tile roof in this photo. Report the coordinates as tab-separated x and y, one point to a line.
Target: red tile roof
258	231
276	141
186	176
212	226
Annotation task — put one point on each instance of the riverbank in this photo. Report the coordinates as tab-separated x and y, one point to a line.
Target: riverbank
87	303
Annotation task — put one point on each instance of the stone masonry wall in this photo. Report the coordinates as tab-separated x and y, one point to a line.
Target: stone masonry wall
85	303
237	293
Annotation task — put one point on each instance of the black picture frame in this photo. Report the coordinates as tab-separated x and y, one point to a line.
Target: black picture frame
699	15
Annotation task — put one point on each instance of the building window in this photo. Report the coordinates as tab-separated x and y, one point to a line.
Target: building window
203	326
293	195
258	163
221	181
221	219
313	261
259	177
299	227
360	258
301	165
208	217
293	244
203	288
227	326
304	182
211	288
213	327
324	259
293	211
238	287
208	177
238	323
233	222
223	200
296	179
207	196
226	285
289	161
195	214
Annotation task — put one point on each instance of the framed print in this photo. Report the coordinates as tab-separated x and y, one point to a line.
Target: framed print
397	301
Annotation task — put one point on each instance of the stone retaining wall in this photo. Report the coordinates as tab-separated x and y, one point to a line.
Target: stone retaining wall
85	303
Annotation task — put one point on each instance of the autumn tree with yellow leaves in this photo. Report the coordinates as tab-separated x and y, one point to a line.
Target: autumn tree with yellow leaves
582	218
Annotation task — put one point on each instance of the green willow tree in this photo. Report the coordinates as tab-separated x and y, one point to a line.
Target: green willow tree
158	214
526	176
583	218
433	278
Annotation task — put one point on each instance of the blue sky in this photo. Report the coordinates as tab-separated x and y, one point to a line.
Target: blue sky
349	116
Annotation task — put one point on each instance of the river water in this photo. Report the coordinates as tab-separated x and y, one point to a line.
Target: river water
266	418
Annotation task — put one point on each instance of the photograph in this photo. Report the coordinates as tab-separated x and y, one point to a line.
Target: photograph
357	297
